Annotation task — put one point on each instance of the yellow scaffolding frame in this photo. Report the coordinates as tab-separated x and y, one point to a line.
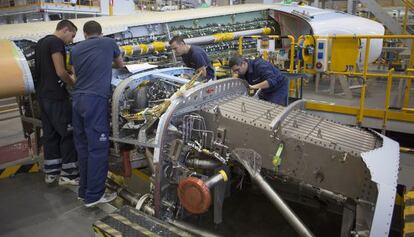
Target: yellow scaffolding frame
361	111
408	6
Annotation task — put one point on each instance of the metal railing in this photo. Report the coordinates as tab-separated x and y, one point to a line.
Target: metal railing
364	74
409	6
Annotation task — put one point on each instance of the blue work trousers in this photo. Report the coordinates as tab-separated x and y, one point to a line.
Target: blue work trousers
91	136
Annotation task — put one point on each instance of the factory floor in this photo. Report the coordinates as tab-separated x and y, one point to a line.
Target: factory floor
32	208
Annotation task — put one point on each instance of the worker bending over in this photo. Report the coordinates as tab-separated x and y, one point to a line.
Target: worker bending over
262	75
55	110
92	62
193	56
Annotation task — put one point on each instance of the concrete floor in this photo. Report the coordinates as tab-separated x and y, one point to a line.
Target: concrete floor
31	208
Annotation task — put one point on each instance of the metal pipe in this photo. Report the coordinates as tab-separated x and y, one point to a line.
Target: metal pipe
387	100
191	228
241	45
212	181
157	46
221	37
407	149
350	6
150	156
122	192
409	110
366	37
409	70
251	161
400	76
203	164
360	116
292	52
405	20
293	220
131	198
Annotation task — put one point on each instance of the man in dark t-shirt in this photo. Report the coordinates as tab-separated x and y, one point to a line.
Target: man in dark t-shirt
51	78
92	63
193	56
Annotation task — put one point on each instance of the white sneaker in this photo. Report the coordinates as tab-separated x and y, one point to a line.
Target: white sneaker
106	197
67	181
50	178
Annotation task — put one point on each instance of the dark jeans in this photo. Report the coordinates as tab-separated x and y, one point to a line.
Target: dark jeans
59	151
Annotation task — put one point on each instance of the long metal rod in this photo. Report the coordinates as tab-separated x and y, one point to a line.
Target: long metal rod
360	116
225	36
400	76
140	49
191	228
293	220
387	100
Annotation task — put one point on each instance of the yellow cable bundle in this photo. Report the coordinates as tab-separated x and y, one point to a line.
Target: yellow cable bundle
144	48
158	46
221	37
267	30
128	50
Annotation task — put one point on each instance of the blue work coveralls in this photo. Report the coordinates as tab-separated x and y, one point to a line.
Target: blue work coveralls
197	58
260	70
92	60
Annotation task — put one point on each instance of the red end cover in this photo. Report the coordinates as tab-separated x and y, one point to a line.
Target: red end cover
194	195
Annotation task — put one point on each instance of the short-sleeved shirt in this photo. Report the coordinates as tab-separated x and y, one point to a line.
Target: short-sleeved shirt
260	70
92	60
197	58
48	83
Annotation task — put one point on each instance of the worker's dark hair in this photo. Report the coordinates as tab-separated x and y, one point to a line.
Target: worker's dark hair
66	23
177	39
92	28
236	60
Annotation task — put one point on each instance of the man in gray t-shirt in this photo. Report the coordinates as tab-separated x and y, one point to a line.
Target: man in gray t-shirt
92	63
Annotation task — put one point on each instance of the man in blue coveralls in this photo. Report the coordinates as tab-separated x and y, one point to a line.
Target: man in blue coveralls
260	74
193	56
92	62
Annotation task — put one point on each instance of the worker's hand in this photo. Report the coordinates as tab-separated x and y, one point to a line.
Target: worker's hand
73	79
253	87
252	90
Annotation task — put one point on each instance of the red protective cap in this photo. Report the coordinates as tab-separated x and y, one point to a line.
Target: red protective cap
194	195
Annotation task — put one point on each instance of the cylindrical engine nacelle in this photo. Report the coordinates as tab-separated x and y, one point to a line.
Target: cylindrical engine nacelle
15	77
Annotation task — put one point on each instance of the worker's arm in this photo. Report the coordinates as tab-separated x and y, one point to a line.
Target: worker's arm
118	62
59	64
117	56
261	85
270	76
